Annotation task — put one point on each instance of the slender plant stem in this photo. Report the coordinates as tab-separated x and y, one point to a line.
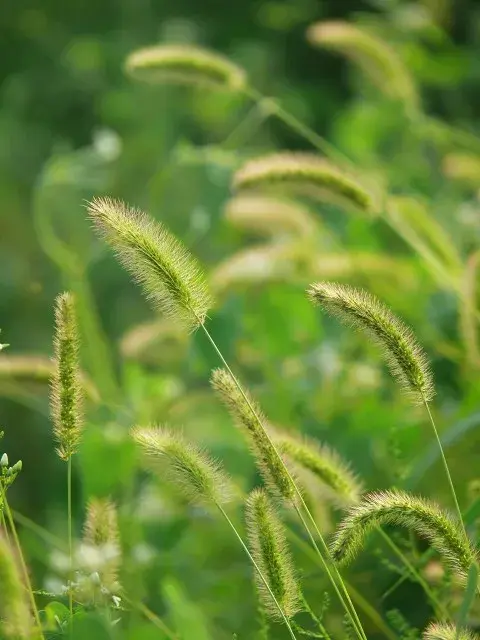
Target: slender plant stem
316	619
352	614
23	564
257	568
151	616
345	598
445	466
416	575
70	540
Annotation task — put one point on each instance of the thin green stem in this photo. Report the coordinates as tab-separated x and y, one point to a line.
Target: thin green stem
445	466
315	619
352	614
151	616
70	540
440	609
345	598
258	570
23	564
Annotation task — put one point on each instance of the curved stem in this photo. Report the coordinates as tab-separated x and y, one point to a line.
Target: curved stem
257	568
351	613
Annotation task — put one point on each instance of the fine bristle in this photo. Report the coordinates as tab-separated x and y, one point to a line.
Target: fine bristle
270	550
169	276
405	358
66	390
425	518
447	631
200	478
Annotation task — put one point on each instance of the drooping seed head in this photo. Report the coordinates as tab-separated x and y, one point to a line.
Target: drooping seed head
187	467
270	216
302	169
66	390
269	548
169	276
16	621
373	55
185	65
323	465
405	358
248	416
447	631
424	518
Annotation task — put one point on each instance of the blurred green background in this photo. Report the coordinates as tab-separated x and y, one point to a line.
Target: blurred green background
73	125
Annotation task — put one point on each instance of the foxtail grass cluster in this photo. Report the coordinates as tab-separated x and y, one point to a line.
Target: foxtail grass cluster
66	394
302	169
169	276
269	548
447	631
184	64
424	518
405	358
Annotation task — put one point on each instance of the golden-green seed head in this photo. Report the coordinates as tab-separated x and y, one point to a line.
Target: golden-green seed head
447	631
16	621
66	390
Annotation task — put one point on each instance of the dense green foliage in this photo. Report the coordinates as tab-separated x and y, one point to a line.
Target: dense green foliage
394	110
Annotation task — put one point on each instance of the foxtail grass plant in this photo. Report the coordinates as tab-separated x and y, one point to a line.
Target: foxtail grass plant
445	631
67	400
172	280
404	356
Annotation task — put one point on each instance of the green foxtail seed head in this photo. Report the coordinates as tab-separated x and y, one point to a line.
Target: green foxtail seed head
102	535
169	276
323	465
37	369
270	216
190	469
269	548
184	65
66	393
405	358
374	56
447	631
249	418
16	621
425	518
302	169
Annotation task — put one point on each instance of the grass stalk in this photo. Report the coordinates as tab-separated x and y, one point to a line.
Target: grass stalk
70	539
345	599
257	568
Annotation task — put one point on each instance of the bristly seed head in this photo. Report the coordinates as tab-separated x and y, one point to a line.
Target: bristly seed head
314	463
249	418
66	391
184	65
169	276
269	548
307	169
399	508
16	621
447	631
187	467
405	358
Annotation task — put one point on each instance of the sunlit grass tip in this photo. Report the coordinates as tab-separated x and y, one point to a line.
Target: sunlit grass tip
377	59
269	548
189	468
323	465
248	416
169	275
66	390
184	64
424	518
360	309
16	620
447	631
302	169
